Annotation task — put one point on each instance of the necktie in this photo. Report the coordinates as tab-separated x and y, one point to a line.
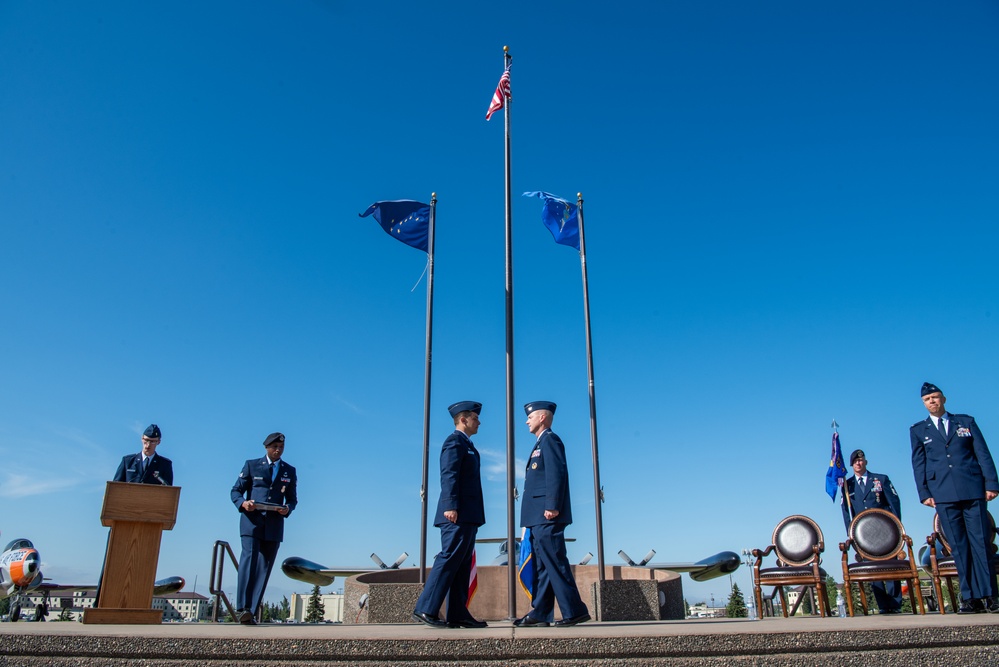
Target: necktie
270	472
145	464
862	485
942	425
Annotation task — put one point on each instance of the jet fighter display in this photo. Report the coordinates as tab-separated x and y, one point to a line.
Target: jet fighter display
301	569
21	575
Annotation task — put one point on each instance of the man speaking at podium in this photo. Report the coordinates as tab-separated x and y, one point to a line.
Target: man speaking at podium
146	467
264	493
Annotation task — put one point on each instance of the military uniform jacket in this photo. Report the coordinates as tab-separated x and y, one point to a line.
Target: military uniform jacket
958	467
546	483
880	494
254	483
461	484
130	470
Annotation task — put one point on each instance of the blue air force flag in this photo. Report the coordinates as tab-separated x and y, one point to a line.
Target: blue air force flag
560	217
837	470
525	569
403	219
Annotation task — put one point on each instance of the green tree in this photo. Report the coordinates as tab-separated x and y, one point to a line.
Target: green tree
285	611
831	588
736	607
268	612
686	608
65	615
806	600
4	606
315	612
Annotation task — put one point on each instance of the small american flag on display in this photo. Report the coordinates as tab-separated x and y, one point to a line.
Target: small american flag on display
473	580
502	92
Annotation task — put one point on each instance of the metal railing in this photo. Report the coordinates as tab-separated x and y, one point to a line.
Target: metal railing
215	580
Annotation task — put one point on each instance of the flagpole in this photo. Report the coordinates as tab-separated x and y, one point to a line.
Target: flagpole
846	496
511	478
597	490
426	387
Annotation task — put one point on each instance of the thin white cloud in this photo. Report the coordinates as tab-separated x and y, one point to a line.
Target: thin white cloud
350	406
494	466
19	486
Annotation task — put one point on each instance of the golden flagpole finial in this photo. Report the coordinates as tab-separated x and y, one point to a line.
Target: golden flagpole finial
506	49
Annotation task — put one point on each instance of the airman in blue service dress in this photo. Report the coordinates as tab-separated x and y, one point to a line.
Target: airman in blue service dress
955	473
547	510
460	512
265	480
869	490
146	467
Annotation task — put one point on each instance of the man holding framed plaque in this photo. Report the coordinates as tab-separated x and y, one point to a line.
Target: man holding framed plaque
265	493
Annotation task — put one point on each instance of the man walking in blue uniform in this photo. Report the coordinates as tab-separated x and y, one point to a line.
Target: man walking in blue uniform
460	512
867	490
547	510
272	483
146	467
955	474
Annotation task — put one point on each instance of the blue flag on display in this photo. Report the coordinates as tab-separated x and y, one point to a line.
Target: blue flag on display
837	469
525	570
403	219
560	217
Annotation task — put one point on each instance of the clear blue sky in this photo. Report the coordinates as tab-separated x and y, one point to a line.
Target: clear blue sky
791	217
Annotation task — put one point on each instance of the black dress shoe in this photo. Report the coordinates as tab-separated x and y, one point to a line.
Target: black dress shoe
245	617
968	607
990	605
467	623
427	619
575	620
529	621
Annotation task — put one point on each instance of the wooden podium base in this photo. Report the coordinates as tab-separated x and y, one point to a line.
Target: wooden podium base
123	616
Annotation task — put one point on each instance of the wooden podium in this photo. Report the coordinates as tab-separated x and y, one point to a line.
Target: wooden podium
137	515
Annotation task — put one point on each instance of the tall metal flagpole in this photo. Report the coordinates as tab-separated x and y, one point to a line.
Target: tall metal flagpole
511	478
426	387
598	492
842	488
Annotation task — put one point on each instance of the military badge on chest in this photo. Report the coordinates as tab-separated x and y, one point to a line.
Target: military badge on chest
877	489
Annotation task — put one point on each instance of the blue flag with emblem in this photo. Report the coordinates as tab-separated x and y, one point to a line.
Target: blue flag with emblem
403	219
837	470
560	217
525	570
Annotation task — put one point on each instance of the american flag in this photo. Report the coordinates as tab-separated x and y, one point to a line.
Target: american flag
502	92
473	581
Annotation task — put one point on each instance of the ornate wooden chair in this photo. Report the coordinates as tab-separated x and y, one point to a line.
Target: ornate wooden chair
941	562
881	544
798	544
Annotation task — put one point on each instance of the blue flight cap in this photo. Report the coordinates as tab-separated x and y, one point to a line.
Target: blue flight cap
464	406
539	405
152	431
928	389
272	438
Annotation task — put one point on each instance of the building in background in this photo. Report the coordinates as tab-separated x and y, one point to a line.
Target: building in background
332	607
177	607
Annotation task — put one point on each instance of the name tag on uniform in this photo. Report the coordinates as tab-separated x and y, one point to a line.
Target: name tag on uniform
256	478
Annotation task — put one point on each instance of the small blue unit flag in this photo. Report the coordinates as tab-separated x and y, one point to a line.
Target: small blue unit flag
403	219
560	217
837	470
525	570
